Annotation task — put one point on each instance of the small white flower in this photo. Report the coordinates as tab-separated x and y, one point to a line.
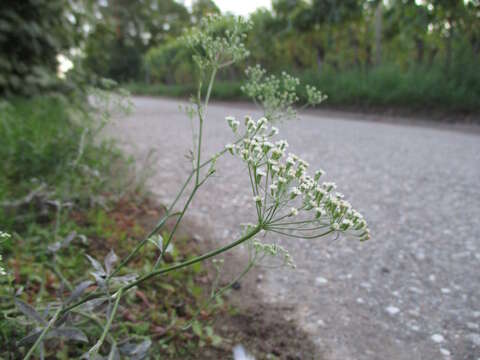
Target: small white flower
329	186
277	153
290	161
230	148
232	123
273	188
319	211
266	146
261	122
347	223
303	163
318	174
335	226
257	199
282	144
295	191
293	211
274	131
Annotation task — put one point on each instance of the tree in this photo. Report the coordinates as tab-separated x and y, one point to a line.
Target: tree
32	34
125	30
201	8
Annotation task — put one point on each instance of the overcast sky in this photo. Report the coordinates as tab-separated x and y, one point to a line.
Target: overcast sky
238	7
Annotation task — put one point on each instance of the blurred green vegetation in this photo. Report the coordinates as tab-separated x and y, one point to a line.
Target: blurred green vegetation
58	180
386	86
402	53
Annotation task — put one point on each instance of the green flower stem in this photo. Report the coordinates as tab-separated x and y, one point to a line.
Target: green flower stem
210	85
162	221
100	341
197	259
43	334
266	192
192	261
300	236
201	114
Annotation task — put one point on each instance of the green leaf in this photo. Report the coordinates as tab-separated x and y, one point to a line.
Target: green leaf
167	287
216	340
209	331
197	328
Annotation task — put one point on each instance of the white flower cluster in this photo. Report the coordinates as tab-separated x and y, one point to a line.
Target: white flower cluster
218	41
282	188
277	95
315	96
274	250
3	236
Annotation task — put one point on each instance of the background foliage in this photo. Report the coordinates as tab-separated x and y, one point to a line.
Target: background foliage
362	52
32	34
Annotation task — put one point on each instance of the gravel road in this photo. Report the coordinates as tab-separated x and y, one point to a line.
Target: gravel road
413	290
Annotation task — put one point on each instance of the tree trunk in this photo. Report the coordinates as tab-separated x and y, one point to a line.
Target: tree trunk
431	57
320	58
354	43
420	46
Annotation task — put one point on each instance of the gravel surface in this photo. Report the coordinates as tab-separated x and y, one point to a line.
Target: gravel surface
413	290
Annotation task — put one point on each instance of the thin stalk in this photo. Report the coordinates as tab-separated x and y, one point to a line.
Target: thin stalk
195	260
157	227
210	85
266	193
301	236
201	114
43	334
107	325
298	228
192	261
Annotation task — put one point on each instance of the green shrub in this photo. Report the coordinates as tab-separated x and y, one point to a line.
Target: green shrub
50	142
40	139
32	34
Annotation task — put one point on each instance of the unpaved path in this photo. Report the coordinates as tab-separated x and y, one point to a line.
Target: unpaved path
412	291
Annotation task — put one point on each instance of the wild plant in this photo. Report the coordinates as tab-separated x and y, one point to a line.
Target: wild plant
288	200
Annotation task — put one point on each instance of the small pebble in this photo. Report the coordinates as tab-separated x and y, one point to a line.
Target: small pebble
321	281
445	352
472	326
474	338
438	338
392	310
